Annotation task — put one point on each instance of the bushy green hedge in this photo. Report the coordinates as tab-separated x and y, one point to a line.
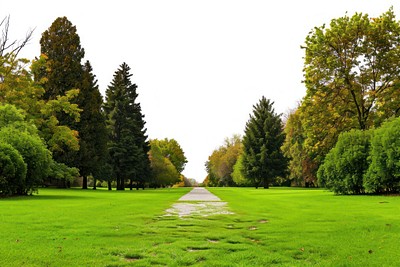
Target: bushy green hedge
346	164
34	153
12	170
364	161
383	175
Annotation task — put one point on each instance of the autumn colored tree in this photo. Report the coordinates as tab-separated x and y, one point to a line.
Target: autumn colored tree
171	149
352	76
302	168
263	159
18	89
128	145
60	71
220	163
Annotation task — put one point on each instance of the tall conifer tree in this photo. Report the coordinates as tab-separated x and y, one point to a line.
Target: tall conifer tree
263	159
92	127
61	45
128	145
63	71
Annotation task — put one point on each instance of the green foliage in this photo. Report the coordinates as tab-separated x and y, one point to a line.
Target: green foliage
384	171
263	159
92	155
346	164
62	172
12	170
352	77
34	153
221	162
171	149
23	136
60	73
301	166
163	172
128	145
237	174
61	46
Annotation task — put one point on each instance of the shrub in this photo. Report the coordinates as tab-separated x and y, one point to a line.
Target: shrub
33	151
346	164
12	170
383	174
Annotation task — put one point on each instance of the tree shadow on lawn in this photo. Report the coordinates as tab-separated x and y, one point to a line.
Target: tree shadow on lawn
39	197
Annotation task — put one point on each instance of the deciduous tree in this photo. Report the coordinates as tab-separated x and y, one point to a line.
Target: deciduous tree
352	76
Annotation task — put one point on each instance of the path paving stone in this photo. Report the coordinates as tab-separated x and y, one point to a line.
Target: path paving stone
198	202
199	194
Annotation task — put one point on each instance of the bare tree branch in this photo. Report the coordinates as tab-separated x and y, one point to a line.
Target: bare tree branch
10	49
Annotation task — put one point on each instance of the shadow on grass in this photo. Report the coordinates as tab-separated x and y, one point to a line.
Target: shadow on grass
55	197
38	197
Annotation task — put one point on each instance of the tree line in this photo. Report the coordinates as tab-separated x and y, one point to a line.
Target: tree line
56	127
344	133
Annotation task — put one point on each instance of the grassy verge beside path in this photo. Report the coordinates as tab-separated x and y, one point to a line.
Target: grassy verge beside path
278	226
315	227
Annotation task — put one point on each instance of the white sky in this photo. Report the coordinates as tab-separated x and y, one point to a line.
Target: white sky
200	66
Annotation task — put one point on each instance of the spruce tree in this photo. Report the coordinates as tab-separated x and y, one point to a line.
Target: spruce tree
263	159
128	145
91	127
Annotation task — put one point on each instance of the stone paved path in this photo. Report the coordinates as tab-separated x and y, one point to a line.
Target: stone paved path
198	202
199	194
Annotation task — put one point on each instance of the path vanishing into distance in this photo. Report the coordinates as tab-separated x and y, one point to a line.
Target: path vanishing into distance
199	194
198	202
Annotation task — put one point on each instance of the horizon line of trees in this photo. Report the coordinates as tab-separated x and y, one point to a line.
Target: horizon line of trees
55	126
338	135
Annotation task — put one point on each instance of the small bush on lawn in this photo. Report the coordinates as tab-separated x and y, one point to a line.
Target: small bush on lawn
346	164
383	175
12	170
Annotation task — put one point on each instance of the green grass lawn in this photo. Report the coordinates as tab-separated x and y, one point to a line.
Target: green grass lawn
278	226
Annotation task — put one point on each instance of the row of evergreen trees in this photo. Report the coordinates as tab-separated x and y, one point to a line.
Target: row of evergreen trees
112	136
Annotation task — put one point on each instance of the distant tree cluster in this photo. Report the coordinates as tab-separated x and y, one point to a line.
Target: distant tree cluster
55	127
257	159
167	163
220	165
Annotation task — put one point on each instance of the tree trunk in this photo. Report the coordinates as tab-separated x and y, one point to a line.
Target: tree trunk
130	184
94	183
109	185
122	184
265	184
84	182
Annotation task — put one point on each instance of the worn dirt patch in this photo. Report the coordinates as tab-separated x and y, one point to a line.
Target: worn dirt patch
183	209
